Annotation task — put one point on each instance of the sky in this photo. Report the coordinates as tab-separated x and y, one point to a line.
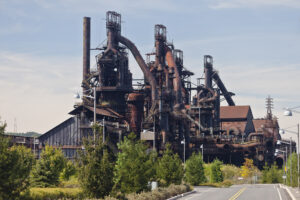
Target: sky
255	45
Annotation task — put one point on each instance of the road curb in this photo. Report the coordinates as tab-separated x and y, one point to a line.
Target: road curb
288	191
182	195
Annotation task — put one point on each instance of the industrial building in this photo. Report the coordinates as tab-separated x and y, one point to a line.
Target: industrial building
164	107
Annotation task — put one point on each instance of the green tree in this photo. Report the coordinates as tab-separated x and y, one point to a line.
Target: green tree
48	168
216	174
271	174
68	171
169	169
95	167
292	169
15	165
194	170
134	166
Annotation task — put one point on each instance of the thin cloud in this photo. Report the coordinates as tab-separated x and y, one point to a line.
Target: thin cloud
229	4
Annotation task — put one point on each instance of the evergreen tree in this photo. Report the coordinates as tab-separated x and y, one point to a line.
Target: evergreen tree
169	169
216	173
95	167
48	168
292	169
134	166
15	165
194	170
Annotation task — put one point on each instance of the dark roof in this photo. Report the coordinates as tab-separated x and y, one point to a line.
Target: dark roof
104	111
234	112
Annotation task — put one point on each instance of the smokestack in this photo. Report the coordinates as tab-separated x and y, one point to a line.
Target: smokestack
208	62
86	46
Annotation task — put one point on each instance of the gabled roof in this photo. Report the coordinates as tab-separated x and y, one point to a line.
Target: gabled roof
69	120
234	112
104	111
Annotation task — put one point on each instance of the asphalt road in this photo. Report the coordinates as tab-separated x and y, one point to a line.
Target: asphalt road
240	192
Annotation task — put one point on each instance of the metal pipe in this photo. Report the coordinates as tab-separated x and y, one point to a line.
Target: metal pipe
94	88
177	79
222	87
86	46
139	59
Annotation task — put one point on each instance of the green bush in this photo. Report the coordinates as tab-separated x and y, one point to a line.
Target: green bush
271	174
216	173
160	193
194	170
15	165
54	194
169	169
230	172
48	168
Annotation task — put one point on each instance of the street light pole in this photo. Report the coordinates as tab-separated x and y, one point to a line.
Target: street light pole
298	165
290	161
94	88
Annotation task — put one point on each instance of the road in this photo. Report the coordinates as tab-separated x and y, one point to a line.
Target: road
240	192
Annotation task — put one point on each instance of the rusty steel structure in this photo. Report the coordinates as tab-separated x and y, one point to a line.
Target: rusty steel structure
166	107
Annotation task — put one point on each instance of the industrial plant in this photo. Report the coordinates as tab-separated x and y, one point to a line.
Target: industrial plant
163	107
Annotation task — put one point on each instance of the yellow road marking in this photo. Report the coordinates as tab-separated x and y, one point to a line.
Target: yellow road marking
237	194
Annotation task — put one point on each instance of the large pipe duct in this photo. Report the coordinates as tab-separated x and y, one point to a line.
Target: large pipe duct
139	59
86	46
177	79
222	87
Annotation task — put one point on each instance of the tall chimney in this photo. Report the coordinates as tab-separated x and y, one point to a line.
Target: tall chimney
86	46
208	70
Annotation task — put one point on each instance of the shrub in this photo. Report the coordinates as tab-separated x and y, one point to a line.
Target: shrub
54	193
194	171
230	172
216	173
134	166
15	165
48	168
169	169
160	193
271	174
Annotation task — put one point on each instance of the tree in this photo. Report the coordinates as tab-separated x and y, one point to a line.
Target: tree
271	174
216	173
194	170
169	169
292	169
248	169
48	168
15	165
134	166
68	171
95	167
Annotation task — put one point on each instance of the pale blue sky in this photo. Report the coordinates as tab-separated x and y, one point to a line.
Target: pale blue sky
255	45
